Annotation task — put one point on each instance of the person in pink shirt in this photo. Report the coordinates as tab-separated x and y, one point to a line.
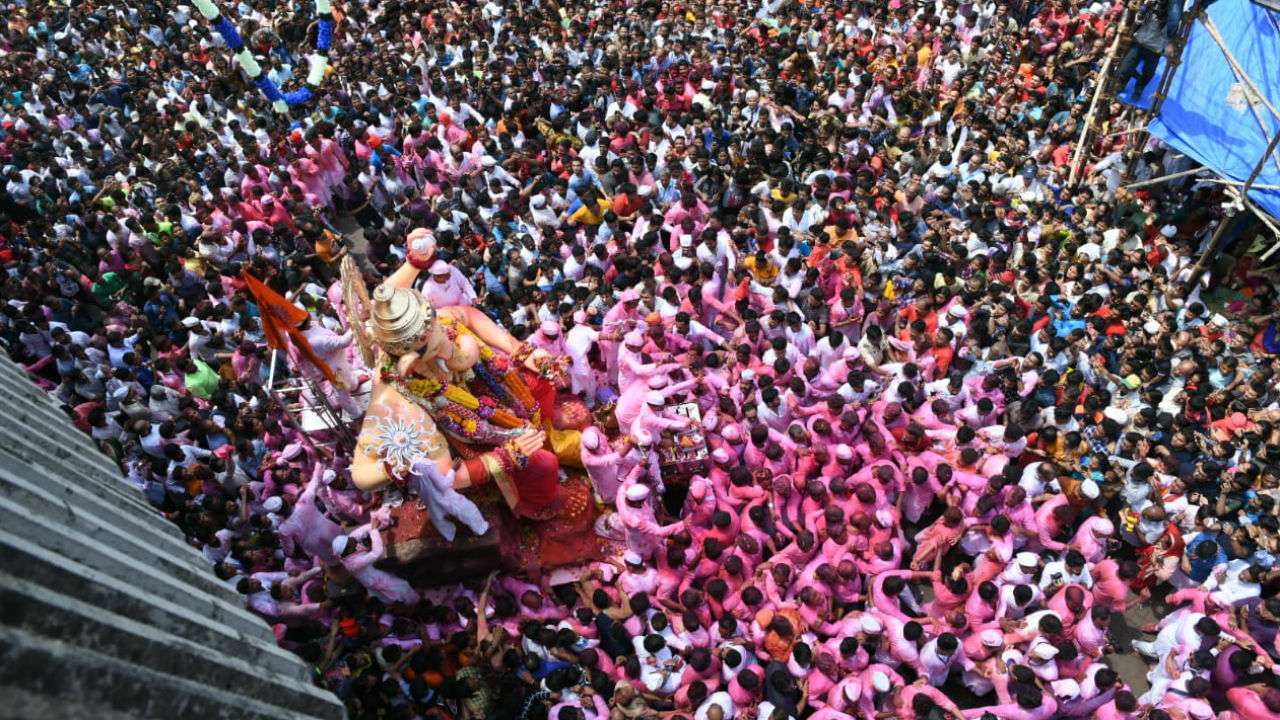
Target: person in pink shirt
949	593
635	396
1052	517
1111	583
1190	702
1091	632
643	533
1030	703
1072	604
308	177
891	591
386	586
918	700
307	527
1253	702
919	492
1091	538
938	538
601	462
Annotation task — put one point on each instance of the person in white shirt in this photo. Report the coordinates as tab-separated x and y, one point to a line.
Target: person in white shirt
717	706
1070	570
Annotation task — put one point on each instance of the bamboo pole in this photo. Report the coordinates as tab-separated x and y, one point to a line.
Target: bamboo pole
1170	68
1243	193
1237	183
1219	234
1163	178
1099	90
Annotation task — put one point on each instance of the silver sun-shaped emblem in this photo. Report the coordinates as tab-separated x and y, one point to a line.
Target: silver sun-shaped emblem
398	441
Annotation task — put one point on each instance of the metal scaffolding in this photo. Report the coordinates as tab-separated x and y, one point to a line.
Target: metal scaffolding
1238	191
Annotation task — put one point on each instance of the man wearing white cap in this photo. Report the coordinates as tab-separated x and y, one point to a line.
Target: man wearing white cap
845	695
620	319
631	366
634	397
549	338
1021	570
385	586
654	418
601	462
984	649
577	345
643	533
446	286
878	681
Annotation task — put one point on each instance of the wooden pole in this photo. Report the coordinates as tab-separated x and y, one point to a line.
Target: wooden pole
1099	89
1203	263
1163	178
1214	244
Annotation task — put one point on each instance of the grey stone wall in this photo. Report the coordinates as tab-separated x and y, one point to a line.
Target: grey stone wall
105	611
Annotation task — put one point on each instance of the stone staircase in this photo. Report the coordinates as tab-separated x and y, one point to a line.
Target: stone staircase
105	611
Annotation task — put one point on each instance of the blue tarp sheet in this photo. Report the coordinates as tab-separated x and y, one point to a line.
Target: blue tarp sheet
1206	114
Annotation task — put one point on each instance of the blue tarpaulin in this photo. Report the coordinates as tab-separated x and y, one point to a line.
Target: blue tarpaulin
1207	111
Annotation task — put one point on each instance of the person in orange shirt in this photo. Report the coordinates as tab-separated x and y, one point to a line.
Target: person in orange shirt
840	232
627	202
942	351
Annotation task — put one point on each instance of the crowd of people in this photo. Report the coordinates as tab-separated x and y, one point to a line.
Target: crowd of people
959	414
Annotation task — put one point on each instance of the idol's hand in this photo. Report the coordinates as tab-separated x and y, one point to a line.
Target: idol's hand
531	441
421	247
549	367
404	365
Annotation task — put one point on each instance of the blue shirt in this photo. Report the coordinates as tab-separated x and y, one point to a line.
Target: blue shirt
1201	568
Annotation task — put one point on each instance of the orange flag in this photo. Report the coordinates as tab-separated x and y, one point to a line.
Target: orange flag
280	319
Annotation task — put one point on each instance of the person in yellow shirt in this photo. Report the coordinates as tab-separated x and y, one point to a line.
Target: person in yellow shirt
764	271
589	209
923	54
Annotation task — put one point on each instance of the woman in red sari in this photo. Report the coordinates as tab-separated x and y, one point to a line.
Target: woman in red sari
1157	561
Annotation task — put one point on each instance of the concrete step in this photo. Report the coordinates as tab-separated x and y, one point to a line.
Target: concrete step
41	464
156	575
64	619
203	618
44	410
47	429
87	680
105	611
78	492
32	400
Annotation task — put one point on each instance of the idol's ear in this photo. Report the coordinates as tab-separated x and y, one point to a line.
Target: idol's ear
405	364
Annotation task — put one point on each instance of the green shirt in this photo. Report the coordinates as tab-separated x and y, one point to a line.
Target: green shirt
109	284
203	382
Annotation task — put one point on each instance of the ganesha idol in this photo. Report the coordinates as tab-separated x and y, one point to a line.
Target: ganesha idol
457	403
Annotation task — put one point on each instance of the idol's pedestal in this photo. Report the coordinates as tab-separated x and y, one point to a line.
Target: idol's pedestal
419	554
416	551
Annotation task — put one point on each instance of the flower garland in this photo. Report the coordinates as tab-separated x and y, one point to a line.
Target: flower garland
456	410
317	62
